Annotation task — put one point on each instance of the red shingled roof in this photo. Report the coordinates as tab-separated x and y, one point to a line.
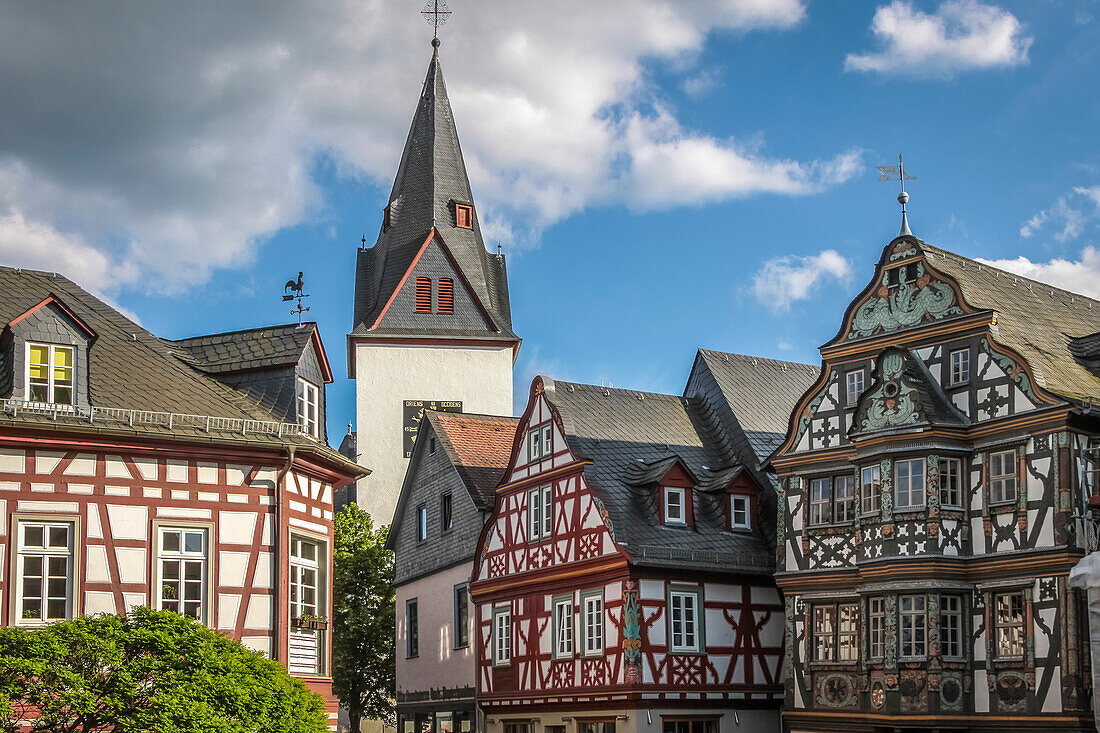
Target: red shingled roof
479	446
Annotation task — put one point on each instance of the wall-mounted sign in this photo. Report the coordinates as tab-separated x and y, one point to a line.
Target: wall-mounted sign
413	411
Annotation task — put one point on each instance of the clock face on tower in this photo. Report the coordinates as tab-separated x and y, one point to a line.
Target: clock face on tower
413	412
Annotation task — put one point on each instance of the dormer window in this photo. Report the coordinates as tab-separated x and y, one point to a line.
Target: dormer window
740	512
675	510
540	443
464	216
308	407
50	374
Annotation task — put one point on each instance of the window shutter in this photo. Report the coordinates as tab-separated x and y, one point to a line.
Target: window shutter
446	303
423	295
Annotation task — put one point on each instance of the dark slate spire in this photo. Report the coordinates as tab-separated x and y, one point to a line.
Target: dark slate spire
431	179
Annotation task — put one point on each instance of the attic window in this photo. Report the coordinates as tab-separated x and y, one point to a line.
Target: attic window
446	296
464	216
740	512
50	374
423	295
901	275
386	217
674	506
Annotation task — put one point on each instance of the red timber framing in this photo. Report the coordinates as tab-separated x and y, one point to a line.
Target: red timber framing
118	493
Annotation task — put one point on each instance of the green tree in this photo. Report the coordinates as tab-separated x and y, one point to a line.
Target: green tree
148	671
364	675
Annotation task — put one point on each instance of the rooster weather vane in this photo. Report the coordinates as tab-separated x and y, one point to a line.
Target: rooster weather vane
294	290
898	173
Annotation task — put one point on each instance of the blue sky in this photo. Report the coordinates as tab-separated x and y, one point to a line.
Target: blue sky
662	179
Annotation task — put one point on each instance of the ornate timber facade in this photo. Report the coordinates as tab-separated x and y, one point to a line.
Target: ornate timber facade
931	484
623	580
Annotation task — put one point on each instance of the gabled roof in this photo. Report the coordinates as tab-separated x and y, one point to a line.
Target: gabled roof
253	348
52	300
624	433
431	178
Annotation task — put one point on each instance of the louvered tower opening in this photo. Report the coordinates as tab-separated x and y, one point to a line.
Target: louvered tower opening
446	302
424	295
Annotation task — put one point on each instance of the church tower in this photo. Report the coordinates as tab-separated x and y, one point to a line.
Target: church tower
433	328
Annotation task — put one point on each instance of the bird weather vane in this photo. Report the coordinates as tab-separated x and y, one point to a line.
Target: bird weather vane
436	13
294	290
897	173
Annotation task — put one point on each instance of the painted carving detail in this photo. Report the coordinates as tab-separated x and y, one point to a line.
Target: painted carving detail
895	402
904	306
632	633
605	515
1015	371
807	415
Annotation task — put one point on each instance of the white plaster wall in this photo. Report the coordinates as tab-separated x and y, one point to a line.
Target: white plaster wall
439	664
386	375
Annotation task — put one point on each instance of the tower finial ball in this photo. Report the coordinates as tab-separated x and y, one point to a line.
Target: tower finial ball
435	43
903	198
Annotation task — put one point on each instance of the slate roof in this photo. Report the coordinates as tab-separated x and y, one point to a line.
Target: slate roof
1037	320
253	348
632	435
430	176
129	368
478	446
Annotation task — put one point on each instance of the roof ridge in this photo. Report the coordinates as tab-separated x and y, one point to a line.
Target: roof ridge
757	358
293	326
471	415
624	390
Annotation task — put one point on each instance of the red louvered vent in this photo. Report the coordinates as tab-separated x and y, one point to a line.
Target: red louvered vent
446	296
423	295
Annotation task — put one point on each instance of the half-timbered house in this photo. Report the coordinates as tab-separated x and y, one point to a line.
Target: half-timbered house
931	484
191	476
624	579
457	462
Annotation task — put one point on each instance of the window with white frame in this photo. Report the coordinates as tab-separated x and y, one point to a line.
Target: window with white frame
540	443
305	653
821	501
876	612
685	623
50	374
502	636
182	563
856	385
914	626
44	570
870	489
422	523
308	407
1092	465
951	482
1002	477
740	512
592	608
844	499
563	627
675	505
540	512
951	625
909	483
960	367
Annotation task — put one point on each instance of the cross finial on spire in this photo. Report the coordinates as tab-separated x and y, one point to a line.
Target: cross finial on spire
897	173
436	13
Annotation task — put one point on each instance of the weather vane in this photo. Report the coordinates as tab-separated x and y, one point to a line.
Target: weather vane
897	173
436	13
293	290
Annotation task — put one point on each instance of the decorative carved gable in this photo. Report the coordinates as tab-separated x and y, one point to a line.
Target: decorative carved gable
902	394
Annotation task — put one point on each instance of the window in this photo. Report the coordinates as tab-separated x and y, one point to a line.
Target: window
307	407
50	374
540	512
1009	625
689	725
1092	465
462	616
913	626
445	300
833	641
446	518
685	627
870	489
502	636
181	558
951	639
464	216
595	726
539	443
821	501
909	484
740	518
876	610
423	295
422	523
951	482
856	385
44	570
592	605
675	512
431	445
412	628
824	633
844	491
305	655
960	367
1002	477
563	627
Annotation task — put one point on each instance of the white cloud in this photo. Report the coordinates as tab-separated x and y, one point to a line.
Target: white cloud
178	139
1080	276
698	85
1068	217
961	35
783	280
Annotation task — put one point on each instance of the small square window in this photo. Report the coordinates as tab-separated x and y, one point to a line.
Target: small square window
960	367
856	385
739	512
675	512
